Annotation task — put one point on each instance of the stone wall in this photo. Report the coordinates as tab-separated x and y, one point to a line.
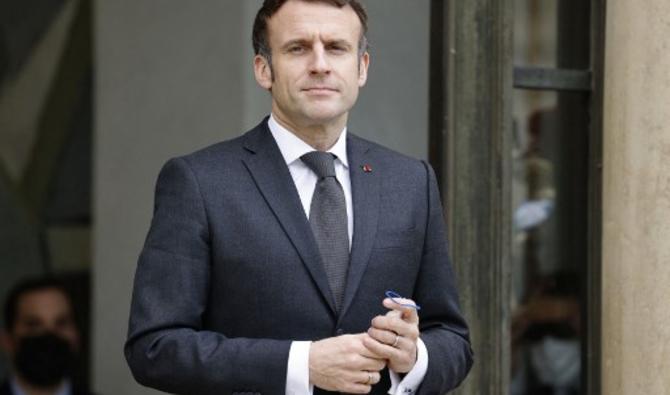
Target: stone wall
636	194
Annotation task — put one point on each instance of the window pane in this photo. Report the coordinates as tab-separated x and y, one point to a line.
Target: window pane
535	26
549	256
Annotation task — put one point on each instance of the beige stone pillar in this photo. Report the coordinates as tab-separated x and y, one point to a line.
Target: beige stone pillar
636	195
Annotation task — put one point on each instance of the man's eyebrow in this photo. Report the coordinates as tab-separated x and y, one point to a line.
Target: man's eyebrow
306	42
31	318
297	41
339	42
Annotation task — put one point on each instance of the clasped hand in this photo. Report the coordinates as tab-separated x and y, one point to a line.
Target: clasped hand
351	363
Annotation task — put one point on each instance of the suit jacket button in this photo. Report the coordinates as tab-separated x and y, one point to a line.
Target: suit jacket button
339	332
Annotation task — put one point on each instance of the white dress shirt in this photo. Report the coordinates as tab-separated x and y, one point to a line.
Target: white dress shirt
64	389
292	148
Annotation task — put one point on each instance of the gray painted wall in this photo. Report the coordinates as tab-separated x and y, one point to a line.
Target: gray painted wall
393	107
173	76
164	86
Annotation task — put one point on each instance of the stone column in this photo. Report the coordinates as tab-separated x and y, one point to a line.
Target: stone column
636	198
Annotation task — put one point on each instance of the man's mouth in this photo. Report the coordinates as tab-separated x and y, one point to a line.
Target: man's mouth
320	89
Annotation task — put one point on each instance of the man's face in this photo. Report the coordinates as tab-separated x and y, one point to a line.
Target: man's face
316	69
42	311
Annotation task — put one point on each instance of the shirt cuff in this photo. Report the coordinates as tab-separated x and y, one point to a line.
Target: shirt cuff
297	373
413	379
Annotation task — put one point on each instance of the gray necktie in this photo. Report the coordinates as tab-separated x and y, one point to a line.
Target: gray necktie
328	219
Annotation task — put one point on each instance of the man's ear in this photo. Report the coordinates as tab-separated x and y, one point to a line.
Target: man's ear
6	342
363	66
263	72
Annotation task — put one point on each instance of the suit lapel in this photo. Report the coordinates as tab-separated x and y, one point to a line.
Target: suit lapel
365	190
271	175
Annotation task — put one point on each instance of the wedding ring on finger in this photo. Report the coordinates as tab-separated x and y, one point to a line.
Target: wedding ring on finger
395	343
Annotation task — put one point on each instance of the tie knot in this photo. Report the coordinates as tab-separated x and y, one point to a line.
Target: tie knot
321	163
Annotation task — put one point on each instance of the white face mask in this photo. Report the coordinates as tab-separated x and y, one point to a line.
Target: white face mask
557	362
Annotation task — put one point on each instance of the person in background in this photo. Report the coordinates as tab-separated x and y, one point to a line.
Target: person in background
546	338
41	339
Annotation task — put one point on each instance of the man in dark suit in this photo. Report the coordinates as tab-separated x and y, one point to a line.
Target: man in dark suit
41	339
269	255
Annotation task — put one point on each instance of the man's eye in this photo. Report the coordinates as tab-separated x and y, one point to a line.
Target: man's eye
64	322
296	50
337	49
33	324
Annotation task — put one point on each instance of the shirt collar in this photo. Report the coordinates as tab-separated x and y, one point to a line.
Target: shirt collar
65	389
292	147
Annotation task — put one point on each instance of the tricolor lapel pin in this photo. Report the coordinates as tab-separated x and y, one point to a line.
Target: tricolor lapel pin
367	168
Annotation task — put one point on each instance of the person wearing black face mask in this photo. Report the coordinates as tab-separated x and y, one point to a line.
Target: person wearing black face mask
41	339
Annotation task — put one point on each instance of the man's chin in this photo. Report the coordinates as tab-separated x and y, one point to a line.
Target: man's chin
324	120
325	115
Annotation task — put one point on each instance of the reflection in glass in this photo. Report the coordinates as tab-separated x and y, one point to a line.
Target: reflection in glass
546	319
549	197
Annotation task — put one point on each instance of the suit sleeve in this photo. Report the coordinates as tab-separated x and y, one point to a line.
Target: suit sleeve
443	329
167	347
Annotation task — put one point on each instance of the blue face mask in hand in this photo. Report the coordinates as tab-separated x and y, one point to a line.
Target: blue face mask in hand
397	299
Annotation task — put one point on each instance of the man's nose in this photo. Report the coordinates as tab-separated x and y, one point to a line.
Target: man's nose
319	62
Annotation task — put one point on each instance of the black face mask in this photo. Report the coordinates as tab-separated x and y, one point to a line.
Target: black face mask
44	360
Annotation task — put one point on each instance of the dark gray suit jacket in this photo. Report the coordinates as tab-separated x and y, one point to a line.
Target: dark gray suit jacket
230	273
